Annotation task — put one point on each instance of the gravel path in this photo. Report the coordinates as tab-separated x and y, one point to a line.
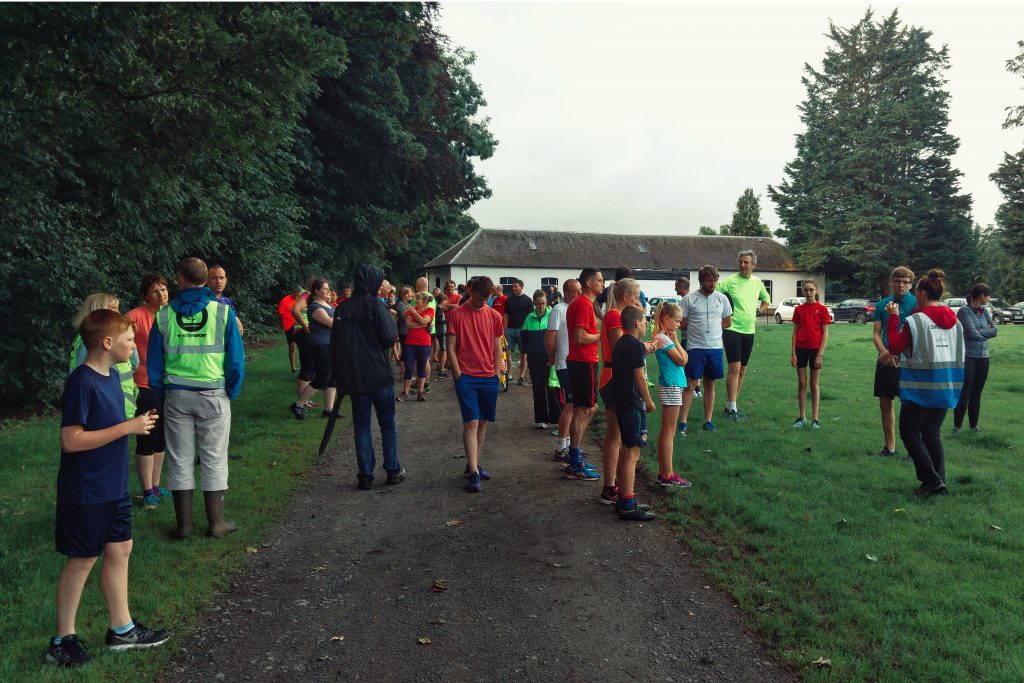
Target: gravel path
530	580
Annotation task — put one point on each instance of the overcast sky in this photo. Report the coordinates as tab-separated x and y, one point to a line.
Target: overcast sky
654	117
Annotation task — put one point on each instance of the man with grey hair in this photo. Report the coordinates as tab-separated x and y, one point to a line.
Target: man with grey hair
744	290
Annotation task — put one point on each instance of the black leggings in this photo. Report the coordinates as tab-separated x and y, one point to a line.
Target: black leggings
919	430
545	402
975	374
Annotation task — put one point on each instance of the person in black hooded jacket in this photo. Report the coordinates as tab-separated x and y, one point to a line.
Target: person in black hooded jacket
364	332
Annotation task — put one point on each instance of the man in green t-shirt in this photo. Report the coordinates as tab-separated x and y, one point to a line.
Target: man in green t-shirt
744	290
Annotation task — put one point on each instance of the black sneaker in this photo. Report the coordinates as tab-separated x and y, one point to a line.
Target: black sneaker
396	477
70	653
138	638
636	514
364	483
886	453
298	411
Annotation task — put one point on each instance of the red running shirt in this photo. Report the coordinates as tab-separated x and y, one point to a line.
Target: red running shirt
809	319
581	314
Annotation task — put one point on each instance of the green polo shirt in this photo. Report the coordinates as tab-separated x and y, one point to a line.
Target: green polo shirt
746	293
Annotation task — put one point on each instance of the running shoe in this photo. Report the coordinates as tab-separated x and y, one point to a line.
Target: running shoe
151	501
298	411
540	425
521	382
562	455
164	493
473	485
815	424
674	480
887	452
635	513
311	404
799	423
682	429
709	426
138	638
69	653
581	473
609	497
735	415
484	474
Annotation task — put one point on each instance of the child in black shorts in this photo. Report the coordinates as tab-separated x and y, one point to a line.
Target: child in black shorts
94	515
632	402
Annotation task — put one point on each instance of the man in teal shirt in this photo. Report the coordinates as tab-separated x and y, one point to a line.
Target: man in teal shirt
887	369
745	290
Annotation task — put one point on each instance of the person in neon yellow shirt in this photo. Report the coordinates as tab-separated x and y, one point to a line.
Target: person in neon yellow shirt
745	290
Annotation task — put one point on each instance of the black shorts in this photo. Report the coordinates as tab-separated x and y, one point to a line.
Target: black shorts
632	427
805	357
154	441
307	371
84	530
887	381
322	377
737	346
607	396
290	336
566	383
583	377
442	341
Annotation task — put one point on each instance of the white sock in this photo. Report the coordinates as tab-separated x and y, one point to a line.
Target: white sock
730	405
563	443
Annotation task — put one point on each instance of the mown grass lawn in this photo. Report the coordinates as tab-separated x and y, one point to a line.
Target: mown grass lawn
169	582
825	548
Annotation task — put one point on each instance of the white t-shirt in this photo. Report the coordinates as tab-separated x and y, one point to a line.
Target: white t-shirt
556	321
704	315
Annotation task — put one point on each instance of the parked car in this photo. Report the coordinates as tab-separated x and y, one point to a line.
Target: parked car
784	313
955	303
854	311
1003	313
653	302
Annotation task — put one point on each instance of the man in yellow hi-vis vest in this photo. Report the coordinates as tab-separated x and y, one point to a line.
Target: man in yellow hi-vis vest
195	358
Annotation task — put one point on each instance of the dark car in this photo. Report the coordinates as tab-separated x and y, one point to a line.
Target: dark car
1003	313
854	311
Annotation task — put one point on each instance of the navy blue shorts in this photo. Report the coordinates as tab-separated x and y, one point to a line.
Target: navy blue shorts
701	362
632	427
84	530
478	397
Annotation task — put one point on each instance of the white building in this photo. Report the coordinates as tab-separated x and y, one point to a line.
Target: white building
542	258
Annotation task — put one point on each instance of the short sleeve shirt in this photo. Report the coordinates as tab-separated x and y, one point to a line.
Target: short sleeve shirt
704	315
517	308
746	293
143	319
612	321
475	330
627	356
580	314
556	323
669	374
99	475
908	304
809	319
418	336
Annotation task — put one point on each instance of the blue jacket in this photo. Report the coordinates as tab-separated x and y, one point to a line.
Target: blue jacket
189	302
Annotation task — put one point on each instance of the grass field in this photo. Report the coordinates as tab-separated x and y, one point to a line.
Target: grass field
825	548
169	582
822	546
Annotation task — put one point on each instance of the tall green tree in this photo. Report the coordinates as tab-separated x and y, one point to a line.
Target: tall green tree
746	219
1009	177
872	184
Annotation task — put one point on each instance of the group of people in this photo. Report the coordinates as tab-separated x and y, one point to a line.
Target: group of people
165	373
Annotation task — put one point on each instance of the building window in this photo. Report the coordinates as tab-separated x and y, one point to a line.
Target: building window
546	282
768	286
437	281
506	284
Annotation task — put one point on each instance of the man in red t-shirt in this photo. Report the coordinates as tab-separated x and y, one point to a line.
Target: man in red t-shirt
581	362
474	352
810	334
284	310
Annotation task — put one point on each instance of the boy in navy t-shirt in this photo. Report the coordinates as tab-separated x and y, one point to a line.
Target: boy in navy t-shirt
632	401
94	514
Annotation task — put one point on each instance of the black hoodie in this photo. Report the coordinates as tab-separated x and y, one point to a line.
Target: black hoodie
362	336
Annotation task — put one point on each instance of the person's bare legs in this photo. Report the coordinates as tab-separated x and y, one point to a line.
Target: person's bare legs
565	421
144	466
330	393
580	421
815	392
666	439
291	356
688	394
69	592
522	364
158	467
626	475
114	581
709	398
610	448
885	405
473	433
801	391
732	381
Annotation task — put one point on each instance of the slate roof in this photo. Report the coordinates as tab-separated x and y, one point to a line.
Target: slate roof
550	249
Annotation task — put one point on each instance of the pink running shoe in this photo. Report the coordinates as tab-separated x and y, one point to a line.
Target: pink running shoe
674	480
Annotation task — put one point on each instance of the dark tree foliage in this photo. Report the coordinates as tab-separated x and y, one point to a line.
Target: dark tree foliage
746	219
872	185
1009	177
136	134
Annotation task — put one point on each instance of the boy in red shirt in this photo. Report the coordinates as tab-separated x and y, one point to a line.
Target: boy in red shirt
810	334
474	353
581	362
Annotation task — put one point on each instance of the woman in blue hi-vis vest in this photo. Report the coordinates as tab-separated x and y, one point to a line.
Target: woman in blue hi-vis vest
931	376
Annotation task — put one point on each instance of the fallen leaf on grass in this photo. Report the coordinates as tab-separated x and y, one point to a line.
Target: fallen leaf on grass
871	558
320	569
250	549
337	638
438	586
899	510
993	527
822	662
454	522
423	641
273	464
295	474
707	450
